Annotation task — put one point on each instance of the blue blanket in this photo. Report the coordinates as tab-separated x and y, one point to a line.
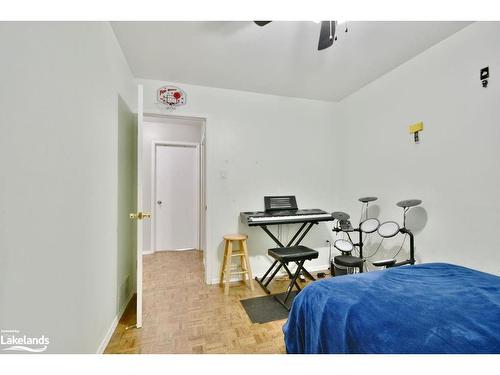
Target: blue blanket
427	308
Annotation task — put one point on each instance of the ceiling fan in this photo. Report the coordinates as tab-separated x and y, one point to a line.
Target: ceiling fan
326	34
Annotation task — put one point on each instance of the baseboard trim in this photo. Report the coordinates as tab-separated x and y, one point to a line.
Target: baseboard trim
281	273
150	252
114	324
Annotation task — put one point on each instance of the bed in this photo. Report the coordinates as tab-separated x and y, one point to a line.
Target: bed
426	308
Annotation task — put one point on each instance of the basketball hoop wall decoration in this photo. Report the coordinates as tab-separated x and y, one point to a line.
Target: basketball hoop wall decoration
170	97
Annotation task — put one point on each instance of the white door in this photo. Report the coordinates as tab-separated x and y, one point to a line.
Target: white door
177	183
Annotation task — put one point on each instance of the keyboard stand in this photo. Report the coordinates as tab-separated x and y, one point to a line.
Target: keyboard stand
303	230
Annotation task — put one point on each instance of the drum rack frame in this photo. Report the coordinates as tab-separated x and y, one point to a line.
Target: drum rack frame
402	230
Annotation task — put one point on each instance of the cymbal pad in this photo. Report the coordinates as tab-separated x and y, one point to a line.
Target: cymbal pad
409	203
367	199
339	215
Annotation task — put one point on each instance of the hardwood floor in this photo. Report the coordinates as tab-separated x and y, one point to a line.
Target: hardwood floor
184	315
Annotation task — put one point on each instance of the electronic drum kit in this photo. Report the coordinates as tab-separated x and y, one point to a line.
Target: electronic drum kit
347	263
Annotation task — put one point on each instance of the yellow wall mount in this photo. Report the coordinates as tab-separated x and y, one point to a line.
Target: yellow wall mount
415	128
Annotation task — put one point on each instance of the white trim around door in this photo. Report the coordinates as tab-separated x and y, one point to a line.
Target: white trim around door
206	237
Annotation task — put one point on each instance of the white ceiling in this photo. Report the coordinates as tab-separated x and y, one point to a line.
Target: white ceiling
280	58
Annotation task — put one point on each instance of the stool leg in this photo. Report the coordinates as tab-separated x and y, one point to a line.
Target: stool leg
244	266
223	266
247	262
228	266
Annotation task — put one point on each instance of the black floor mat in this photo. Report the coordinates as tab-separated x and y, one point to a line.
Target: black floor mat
266	309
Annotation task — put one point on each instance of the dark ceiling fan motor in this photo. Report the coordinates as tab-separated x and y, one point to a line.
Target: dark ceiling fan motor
326	34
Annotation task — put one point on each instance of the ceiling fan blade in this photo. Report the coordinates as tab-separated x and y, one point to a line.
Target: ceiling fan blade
262	23
326	34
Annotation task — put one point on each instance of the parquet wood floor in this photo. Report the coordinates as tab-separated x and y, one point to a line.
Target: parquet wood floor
184	315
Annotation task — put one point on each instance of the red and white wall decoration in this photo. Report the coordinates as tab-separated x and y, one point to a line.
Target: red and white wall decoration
170	97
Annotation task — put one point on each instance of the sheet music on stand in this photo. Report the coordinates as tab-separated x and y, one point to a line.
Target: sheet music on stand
280	203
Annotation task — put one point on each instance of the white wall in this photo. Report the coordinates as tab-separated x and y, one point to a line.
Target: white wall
162	129
454	170
59	117
59	92
264	145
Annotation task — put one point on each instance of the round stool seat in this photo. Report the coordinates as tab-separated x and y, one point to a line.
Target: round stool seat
348	261
235	237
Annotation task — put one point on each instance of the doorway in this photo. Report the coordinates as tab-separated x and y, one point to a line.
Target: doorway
173	173
170	130
173	191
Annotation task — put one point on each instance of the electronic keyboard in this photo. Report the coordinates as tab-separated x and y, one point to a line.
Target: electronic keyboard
284	217
283	210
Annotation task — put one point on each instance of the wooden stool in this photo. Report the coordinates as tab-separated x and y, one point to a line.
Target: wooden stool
242	252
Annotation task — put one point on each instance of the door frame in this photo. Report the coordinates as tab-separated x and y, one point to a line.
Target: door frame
205	201
154	145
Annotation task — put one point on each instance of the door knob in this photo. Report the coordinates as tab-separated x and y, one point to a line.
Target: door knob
139	215
159	202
